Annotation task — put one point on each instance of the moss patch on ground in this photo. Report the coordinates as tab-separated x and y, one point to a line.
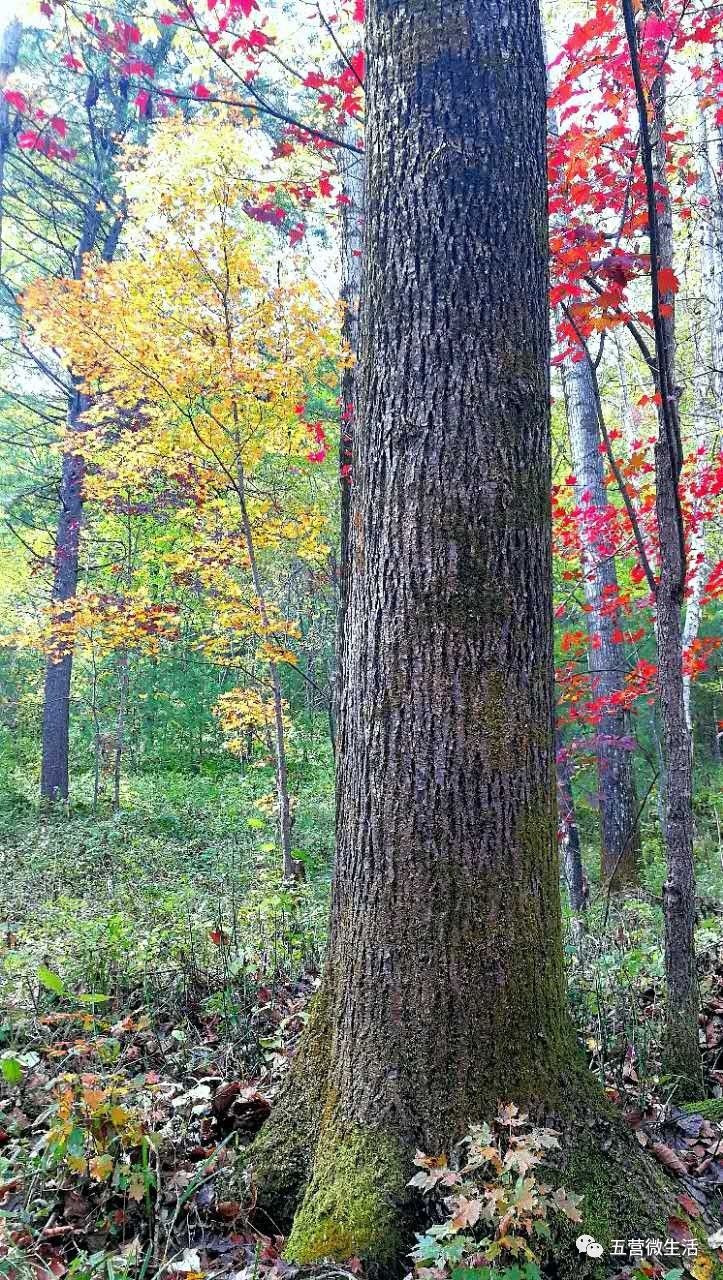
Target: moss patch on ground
709	1108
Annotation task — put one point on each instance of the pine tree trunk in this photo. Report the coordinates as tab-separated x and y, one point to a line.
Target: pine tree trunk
443	989
620	839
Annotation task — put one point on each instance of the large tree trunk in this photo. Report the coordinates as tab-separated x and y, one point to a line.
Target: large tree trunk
446	767
620	847
443	989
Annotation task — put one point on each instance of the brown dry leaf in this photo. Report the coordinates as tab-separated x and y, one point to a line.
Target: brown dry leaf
669	1158
93	1099
678	1229
567	1204
224	1096
101	1167
136	1187
467	1213
690	1206
75	1206
430	1162
229	1210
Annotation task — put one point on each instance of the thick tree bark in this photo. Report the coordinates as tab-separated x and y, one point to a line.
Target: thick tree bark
446	771
620	840
443	989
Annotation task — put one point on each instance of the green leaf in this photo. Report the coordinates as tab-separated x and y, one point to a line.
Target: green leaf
91	997
11	1069
51	981
255	823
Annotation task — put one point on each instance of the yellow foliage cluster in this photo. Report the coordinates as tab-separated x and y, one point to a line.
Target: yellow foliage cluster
240	711
236	618
102	624
94	1130
199	351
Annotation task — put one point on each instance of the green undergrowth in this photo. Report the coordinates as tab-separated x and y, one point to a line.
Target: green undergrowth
173	903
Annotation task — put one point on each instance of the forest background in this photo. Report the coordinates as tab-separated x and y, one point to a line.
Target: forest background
181	247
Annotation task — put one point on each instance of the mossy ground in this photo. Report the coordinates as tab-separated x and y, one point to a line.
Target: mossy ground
709	1108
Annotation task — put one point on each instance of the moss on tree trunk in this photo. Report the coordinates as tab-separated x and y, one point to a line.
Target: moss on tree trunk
283	1153
349	1184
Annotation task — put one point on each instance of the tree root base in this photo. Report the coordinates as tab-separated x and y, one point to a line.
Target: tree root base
342	1190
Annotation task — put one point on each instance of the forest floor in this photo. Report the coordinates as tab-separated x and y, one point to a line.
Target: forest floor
154	978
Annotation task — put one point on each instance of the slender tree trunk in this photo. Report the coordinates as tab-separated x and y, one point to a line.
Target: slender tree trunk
54	781
617	802
9	51
120	727
58	674
682	1056
96	734
708	375
569	837
620	841
443	989
627	410
711	176
289	863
